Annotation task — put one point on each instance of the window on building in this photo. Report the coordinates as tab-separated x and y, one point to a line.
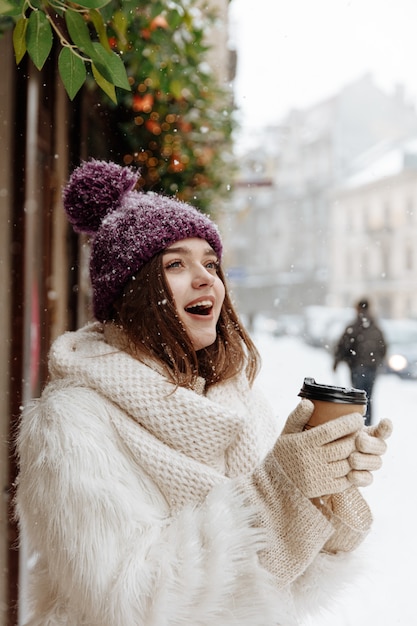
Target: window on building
409	257
409	210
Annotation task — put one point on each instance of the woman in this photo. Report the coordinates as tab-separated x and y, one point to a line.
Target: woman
154	489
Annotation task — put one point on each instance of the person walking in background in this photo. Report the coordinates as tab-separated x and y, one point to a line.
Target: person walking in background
155	488
363	347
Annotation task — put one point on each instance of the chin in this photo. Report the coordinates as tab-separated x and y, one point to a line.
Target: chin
200	345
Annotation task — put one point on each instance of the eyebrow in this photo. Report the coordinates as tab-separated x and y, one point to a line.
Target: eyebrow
185	250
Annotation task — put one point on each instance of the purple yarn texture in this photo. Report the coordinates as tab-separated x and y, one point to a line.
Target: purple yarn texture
93	190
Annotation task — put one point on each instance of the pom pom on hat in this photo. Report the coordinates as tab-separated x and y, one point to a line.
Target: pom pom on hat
128	227
95	189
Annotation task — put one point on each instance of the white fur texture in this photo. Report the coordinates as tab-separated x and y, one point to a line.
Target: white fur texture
122	540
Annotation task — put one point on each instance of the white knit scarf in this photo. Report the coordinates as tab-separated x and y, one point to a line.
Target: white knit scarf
185	441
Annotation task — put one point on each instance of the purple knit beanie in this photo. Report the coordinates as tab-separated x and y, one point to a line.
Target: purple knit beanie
127	227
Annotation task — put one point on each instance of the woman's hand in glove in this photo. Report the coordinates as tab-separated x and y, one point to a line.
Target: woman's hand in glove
317	460
370	446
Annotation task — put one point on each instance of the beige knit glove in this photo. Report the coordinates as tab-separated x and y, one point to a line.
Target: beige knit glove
298	418
370	446
317	460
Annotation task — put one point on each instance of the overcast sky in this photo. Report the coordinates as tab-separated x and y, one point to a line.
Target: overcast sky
294	53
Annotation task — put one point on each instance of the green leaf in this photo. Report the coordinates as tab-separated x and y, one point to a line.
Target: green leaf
120	24
156	8
101	30
39	38
9	8
79	32
175	19
72	71
110	66
93	4
19	39
176	87
104	84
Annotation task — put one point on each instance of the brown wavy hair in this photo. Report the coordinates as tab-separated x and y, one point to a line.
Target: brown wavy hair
148	318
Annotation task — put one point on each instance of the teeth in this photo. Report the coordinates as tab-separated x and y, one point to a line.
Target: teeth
203	303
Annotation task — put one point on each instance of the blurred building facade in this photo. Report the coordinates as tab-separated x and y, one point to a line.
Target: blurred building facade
304	159
374	230
40	134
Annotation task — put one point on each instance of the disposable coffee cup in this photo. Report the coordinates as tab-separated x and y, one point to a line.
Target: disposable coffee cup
331	402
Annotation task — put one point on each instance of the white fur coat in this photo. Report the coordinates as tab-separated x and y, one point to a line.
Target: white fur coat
129	499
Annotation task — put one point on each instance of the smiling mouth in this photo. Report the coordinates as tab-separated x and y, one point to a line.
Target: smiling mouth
200	308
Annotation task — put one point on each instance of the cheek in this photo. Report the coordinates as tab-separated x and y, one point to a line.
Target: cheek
175	287
220	292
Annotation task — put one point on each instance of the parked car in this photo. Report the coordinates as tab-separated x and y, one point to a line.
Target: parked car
401	337
288	325
279	326
323	325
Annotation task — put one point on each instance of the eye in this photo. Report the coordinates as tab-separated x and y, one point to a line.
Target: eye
213	265
173	264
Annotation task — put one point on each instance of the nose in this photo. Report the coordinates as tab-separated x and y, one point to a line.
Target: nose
202	277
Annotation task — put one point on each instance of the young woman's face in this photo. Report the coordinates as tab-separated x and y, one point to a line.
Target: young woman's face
190	268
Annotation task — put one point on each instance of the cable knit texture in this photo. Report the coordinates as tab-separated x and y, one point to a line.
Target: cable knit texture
187	443
149	505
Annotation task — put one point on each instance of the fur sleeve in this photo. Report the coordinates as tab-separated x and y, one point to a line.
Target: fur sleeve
108	553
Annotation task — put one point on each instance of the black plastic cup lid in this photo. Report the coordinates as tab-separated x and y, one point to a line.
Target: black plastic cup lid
328	393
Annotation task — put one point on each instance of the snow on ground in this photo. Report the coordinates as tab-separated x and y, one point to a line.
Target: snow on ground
384	596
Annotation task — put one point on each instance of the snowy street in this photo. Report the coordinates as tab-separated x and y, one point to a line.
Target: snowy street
384	595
